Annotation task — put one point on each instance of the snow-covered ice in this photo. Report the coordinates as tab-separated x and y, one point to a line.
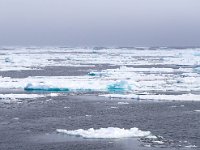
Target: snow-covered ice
11	98
19	96
139	74
197	110
123	103
107	133
27	59
183	97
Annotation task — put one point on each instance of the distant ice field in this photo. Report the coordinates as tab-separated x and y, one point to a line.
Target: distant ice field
131	73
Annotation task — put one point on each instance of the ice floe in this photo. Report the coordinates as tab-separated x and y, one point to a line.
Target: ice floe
191	146
80	86
129	96
119	86
107	133
123	103
197	110
54	94
31	87
183	97
20	96
113	107
11	98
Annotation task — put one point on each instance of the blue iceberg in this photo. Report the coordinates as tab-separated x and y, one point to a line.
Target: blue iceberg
120	86
31	87
92	74
197	69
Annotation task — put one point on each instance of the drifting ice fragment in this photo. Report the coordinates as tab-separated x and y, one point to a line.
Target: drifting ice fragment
95	73
7	60
107	133
197	69
123	103
129	96
30	87
120	86
92	73
197	54
85	86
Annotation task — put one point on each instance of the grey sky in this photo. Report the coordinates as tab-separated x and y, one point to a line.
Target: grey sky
100	22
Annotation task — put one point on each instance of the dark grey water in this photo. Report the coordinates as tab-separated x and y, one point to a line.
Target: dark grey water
54	71
32	124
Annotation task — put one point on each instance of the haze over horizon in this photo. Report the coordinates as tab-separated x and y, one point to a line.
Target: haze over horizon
100	23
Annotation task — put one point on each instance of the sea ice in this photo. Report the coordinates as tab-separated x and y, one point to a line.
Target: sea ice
31	87
107	133
77	85
10	98
183	97
191	146
197	69
128	96
161	70
123	103
97	74
119	86
19	96
8	60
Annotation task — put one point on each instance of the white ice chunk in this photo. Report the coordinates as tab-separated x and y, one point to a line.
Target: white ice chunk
10	98
109	133
191	146
158	142
123	103
128	96
183	97
20	96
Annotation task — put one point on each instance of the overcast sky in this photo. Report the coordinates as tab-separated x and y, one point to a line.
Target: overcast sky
100	22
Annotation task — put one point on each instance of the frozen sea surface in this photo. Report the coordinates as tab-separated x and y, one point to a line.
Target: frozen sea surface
100	98
156	74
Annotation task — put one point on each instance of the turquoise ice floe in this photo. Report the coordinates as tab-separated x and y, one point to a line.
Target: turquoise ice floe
197	54
31	87
197	69
120	86
115	87
92	74
95	73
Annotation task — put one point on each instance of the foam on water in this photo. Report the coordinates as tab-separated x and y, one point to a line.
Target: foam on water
107	133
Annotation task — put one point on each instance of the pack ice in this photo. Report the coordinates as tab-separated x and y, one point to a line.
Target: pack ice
140	73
